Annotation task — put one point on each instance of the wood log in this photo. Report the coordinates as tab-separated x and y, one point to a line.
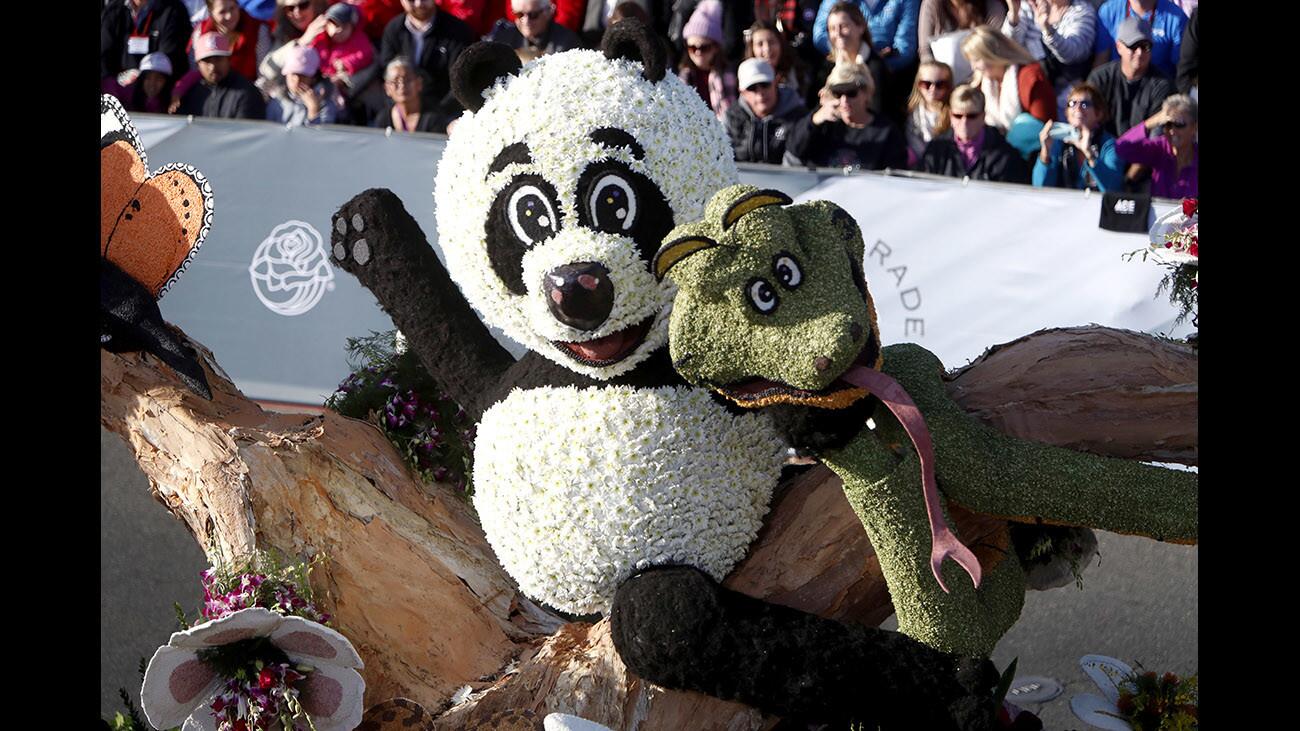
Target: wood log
413	583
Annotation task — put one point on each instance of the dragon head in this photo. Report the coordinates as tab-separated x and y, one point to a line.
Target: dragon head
772	306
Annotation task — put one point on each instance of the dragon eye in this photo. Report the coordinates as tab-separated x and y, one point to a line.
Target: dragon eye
787	271
762	296
612	204
532	217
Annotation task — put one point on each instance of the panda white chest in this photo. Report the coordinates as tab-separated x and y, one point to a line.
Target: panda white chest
579	488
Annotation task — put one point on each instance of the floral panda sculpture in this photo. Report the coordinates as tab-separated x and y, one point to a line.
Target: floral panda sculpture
604	482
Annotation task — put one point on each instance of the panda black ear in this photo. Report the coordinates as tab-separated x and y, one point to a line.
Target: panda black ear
629	38
478	67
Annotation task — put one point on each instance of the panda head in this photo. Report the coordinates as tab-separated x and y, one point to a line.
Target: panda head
558	187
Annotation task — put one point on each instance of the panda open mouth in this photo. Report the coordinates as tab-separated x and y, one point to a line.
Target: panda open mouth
756	393
609	349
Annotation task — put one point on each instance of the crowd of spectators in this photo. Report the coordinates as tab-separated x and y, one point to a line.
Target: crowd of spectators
1098	94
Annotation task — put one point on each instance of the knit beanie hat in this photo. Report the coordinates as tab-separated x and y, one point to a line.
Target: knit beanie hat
706	21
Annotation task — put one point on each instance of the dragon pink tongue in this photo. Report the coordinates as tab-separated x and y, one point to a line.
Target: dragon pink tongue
605	348
943	544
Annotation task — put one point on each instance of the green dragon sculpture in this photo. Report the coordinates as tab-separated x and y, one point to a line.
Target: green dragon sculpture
772	308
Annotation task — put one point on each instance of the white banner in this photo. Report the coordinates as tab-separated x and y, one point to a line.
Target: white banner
958	268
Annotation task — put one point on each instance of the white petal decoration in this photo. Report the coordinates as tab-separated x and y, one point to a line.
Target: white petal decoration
242	625
331	695
201	720
313	643
1106	672
175	683
1093	710
565	722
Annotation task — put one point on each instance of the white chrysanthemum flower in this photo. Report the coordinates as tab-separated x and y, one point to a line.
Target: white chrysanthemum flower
588	515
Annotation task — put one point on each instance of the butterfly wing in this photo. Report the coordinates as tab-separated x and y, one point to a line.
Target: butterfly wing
121	171
161	226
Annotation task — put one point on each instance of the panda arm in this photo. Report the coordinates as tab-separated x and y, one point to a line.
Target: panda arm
375	240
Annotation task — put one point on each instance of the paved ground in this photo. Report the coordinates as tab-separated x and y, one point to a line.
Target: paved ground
1139	603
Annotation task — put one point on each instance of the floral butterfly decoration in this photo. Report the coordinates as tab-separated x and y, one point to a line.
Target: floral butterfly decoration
151	226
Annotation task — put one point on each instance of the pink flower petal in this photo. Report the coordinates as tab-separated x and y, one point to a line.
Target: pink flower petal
175	683
313	643
332	695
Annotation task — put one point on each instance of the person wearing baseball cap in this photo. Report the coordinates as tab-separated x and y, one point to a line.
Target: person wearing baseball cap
1164	22
311	99
1132	87
223	93
759	122
344	50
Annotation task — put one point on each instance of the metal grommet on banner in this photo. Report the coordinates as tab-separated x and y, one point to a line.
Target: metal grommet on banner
1087	193
189	119
965	181
388	132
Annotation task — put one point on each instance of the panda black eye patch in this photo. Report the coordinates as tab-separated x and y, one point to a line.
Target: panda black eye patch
525	213
614	199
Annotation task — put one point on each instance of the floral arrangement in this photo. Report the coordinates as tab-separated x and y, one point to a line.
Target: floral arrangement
259	658
1175	245
647	476
1136	701
391	388
552	106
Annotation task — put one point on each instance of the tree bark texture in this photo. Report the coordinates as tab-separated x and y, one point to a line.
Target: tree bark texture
412	581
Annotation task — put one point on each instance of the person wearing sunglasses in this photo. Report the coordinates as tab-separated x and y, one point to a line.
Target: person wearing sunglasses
1132	87
1173	154
1086	156
843	132
293	17
973	148
759	123
534	29
851	43
1164	19
927	109
704	66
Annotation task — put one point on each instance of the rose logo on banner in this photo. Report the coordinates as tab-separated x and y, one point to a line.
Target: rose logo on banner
291	270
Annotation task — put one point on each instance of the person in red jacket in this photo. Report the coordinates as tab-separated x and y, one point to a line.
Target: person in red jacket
250	38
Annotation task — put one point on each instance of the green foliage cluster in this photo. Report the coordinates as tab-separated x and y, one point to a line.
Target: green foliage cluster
392	389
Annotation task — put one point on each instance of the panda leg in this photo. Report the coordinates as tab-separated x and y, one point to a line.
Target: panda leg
676	627
375	240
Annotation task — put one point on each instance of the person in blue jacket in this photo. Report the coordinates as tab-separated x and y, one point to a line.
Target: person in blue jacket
1165	19
893	29
1087	157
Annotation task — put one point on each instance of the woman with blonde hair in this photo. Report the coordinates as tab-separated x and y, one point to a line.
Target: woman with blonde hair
851	43
927	108
842	131
1020	98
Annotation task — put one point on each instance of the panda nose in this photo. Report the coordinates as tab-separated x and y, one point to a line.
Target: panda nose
579	295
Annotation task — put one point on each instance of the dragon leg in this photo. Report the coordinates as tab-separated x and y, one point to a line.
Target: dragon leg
887	497
994	473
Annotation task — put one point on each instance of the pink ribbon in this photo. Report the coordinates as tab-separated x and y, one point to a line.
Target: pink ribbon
943	544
